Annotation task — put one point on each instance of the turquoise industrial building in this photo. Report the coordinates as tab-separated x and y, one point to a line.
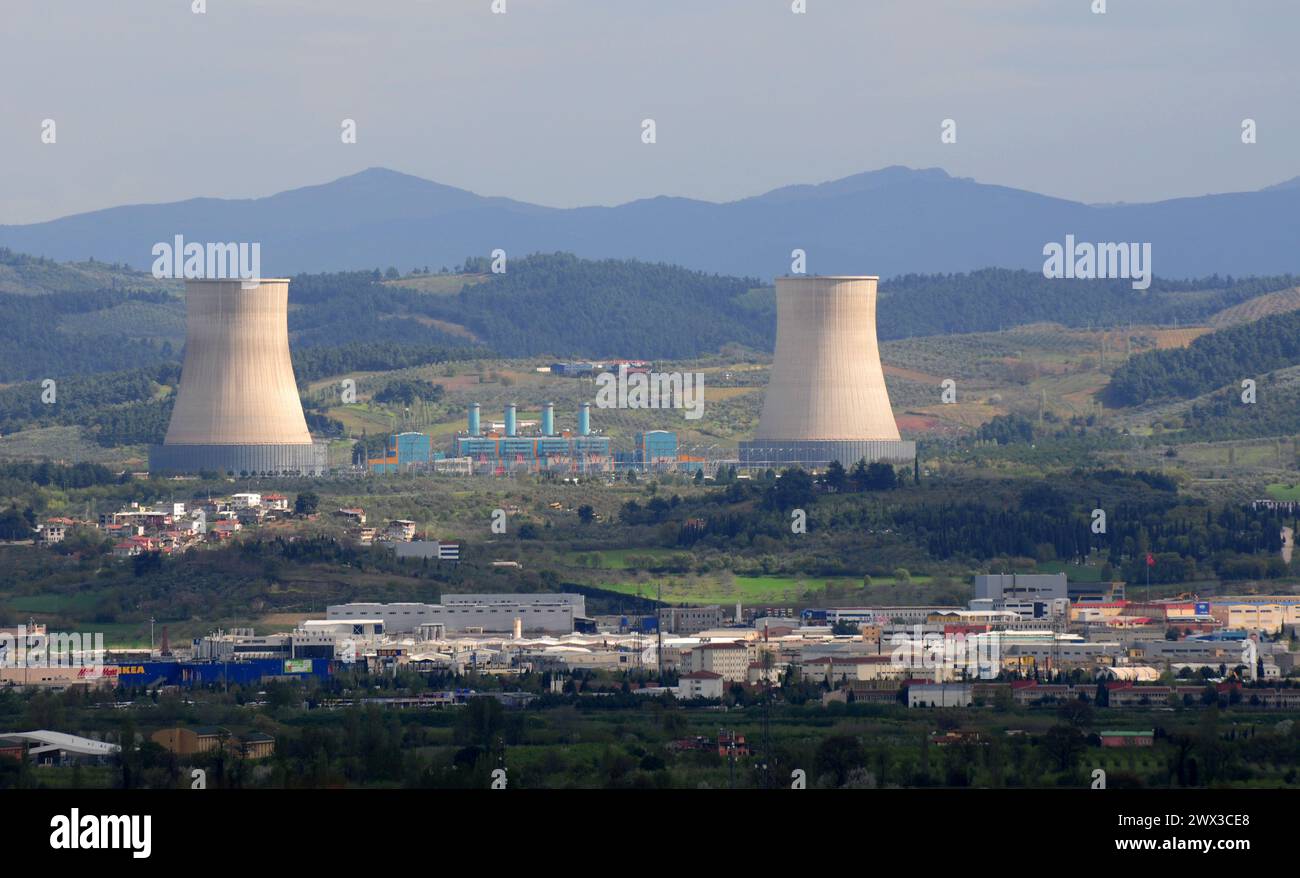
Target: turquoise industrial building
507	450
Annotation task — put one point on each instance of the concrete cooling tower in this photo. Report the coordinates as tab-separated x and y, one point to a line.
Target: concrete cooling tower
826	397
237	408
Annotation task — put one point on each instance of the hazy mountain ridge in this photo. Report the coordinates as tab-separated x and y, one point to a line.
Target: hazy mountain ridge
888	222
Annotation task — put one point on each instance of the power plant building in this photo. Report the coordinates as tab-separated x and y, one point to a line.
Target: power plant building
404	452
826	396
656	451
653	451
501	453
237	408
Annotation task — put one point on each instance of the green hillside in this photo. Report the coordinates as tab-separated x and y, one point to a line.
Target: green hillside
1211	361
25	275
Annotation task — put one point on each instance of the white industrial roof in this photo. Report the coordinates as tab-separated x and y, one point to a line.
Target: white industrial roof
47	740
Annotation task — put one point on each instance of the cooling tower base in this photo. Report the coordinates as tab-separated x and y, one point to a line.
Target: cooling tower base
306	460
818	453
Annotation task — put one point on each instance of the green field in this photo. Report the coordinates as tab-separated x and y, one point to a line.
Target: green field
1075	572
617	559
437	284
81	606
1278	491
748	589
66	442
55	603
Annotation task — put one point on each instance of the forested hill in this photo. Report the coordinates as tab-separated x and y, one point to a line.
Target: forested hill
69	333
543	304
24	275
1212	361
560	304
995	298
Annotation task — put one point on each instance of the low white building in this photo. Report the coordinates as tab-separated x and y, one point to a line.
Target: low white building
840	669
939	695
277	502
699	684
454	466
1132	673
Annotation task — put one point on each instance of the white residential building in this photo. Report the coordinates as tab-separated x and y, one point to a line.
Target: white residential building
730	660
699	684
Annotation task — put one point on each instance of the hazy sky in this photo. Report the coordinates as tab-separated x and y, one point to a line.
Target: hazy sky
155	103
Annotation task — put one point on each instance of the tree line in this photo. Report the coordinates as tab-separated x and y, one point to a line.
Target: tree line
1210	362
34	346
314	363
998	298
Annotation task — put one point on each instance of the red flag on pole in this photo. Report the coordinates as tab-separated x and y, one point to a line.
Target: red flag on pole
1151	560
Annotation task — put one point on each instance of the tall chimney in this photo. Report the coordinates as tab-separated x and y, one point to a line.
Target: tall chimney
548	419
510	419
474	412
584	419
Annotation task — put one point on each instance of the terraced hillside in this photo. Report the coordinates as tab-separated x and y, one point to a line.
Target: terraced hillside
1259	307
25	275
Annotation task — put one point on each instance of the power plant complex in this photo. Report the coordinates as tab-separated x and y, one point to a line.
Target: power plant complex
548	450
518	446
826	397
237	408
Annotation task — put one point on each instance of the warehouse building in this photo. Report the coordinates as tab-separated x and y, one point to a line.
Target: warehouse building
469	613
690	620
1269	613
198	740
44	747
1020	588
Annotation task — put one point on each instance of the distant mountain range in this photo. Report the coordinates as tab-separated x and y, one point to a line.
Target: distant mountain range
888	222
